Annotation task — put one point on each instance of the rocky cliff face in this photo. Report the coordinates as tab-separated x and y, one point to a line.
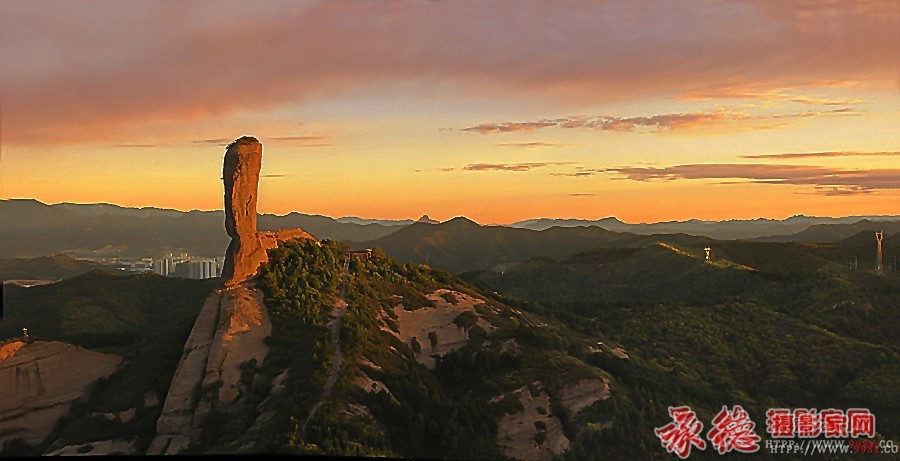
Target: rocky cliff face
240	172
234	321
230	330
40	380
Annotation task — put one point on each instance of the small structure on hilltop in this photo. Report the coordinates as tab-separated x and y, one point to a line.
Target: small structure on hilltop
707	250
879	268
367	253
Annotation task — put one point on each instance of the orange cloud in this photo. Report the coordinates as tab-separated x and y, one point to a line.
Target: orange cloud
93	71
835	191
822	155
214	142
533	144
822	178
795	92
718	120
580	172
508	127
511	166
296	141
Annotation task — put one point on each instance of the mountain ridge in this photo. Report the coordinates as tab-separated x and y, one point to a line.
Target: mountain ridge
732	229
32	228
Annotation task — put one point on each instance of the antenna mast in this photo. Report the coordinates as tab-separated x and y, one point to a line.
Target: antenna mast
879	269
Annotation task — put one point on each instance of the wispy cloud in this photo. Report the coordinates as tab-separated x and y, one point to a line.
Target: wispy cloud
720	171
215	142
843	112
787	156
305	141
137	146
662	123
511	166
825	102
295	141
832	181
274	176
833	191
446	170
300	138
798	92
580	172
508	127
582	194
533	144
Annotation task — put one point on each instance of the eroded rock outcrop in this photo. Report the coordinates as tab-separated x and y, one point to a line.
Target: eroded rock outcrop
240	173
101	448
230	330
584	393
436	328
247	250
40	380
534	432
233	322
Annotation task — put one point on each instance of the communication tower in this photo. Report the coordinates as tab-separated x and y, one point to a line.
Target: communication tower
879	268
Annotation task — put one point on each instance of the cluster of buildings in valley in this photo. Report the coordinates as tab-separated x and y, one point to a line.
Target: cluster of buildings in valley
172	265
183	265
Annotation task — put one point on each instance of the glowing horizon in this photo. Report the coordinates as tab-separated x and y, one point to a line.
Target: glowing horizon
499	112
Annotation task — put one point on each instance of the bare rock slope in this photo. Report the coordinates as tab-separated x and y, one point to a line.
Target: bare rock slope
40	380
234	321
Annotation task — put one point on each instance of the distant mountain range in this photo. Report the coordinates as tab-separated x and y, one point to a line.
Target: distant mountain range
769	229
30	228
825	233
461	245
383	222
45	268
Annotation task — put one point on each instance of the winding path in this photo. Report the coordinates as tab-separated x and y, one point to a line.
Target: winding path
334	333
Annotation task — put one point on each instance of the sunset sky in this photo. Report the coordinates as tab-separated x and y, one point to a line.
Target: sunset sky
496	110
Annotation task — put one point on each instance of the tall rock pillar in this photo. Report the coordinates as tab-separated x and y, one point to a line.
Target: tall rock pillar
233	322
243	161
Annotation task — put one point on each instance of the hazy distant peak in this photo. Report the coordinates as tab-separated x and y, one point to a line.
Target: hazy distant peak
366	221
428	220
544	223
459	220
